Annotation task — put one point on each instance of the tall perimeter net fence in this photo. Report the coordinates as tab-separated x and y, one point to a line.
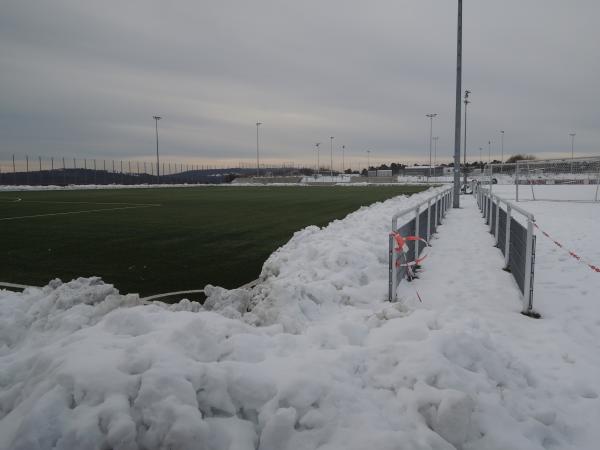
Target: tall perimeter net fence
564	179
576	179
53	171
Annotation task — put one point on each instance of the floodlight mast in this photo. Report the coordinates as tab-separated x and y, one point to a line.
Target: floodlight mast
572	146
435	141
331	138
467	92
431	117
502	151
317	145
257	154
456	193
156	119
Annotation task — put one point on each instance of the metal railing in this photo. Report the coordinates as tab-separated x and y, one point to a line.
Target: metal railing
426	216
515	240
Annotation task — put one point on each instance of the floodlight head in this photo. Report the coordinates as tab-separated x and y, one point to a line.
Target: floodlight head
431	116
156	117
258	123
331	137
571	134
317	144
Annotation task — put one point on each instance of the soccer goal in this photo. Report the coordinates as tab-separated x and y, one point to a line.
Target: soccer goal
567	179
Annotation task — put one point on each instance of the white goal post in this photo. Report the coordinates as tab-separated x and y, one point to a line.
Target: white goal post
566	179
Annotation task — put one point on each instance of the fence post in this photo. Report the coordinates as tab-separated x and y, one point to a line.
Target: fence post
392	270
435	214
507	238
497	220
527	292
417	231
491	213
428	220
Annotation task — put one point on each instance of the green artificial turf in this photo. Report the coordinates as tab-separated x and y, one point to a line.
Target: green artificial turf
201	235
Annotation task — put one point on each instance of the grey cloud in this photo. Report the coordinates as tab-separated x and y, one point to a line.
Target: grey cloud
86	77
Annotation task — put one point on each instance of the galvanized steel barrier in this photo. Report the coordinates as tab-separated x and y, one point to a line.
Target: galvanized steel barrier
424	220
515	240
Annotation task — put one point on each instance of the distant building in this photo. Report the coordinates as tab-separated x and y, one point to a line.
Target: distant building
380	173
423	171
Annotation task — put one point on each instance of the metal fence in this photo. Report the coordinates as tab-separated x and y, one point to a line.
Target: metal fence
513	237
422	221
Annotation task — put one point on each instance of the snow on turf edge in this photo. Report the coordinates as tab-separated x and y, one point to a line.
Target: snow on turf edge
84	367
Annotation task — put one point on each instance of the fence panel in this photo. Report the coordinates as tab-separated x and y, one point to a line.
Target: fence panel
514	239
417	221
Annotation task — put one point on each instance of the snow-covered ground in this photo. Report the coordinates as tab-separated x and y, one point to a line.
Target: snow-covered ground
314	357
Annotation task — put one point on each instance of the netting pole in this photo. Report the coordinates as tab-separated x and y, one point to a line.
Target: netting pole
530	183
517	181
597	181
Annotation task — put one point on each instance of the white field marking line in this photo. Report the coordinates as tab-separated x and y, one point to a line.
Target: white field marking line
170	294
84	203
15	285
194	291
77	212
11	201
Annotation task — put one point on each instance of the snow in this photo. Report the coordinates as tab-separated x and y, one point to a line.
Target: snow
313	356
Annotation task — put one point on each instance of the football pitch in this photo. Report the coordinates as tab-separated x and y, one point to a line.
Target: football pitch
153	241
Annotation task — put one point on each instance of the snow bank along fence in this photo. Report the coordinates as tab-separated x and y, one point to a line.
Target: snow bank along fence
423	222
515	240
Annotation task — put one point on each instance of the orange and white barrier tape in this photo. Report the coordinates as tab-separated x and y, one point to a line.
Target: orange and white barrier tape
402	248
570	252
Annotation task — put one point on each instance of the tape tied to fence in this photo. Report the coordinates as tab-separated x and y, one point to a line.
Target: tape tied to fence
401	241
570	252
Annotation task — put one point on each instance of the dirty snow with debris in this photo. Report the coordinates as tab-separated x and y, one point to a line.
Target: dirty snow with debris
314	356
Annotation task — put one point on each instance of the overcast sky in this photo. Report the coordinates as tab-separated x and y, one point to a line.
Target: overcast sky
84	78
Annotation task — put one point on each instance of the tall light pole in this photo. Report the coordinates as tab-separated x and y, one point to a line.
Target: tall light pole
467	92
368	161
572	146
318	162
431	116
435	141
480	157
343	158
502	147
490	152
258	124
156	119
331	156
456	196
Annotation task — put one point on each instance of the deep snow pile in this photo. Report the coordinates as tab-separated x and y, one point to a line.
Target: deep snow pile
313	357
